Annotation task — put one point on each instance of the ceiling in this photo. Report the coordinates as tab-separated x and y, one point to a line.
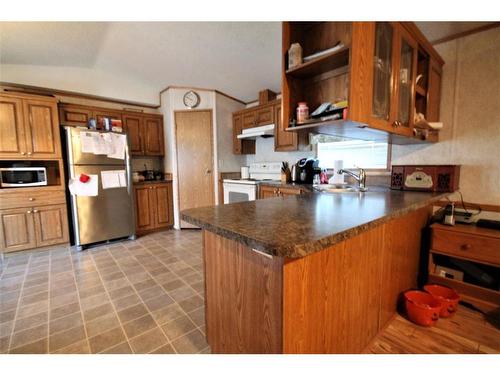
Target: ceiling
238	58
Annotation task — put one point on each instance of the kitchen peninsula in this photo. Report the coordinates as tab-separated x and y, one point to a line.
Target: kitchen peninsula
313	273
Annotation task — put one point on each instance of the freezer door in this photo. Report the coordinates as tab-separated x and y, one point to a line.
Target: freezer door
76	156
107	216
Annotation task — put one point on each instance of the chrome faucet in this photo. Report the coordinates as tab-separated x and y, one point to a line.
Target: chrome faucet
361	178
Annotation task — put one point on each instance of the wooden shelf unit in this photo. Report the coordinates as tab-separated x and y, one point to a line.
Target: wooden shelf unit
469	243
351	73
322	64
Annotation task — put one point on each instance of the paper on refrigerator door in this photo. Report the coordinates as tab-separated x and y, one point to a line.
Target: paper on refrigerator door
87	142
88	189
102	144
113	179
119	142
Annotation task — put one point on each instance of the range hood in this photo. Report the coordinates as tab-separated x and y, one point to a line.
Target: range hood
259	131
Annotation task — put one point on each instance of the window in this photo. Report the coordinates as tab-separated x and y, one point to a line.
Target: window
354	153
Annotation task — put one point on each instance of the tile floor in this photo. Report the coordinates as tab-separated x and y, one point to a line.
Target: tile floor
143	296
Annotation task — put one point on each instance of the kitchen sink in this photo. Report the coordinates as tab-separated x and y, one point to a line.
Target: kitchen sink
339	188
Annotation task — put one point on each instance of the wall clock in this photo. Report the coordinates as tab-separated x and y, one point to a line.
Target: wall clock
191	99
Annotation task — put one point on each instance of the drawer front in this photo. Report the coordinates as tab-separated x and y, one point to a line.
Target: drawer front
475	248
23	199
265	116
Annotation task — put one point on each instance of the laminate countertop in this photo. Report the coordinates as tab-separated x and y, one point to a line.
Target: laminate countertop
296	226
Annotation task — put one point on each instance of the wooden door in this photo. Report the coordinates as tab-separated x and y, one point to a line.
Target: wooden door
163	198
144	208
42	129
283	140
51	225
153	143
267	192
132	124
194	140
17	230
74	115
12	135
405	66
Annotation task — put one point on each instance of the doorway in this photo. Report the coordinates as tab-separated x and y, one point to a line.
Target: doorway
194	139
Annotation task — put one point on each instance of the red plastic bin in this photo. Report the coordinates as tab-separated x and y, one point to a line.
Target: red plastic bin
447	296
422	308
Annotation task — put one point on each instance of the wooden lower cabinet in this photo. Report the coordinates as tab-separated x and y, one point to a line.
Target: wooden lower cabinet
51	225
31	227
332	301
17	230
269	191
153	206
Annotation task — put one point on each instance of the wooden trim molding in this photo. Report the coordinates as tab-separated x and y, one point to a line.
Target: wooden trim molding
475	30
470	206
36	90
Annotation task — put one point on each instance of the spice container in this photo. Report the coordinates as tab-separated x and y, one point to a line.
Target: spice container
294	55
302	112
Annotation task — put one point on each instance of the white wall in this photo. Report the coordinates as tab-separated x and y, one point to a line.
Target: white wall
470	111
264	152
172	100
227	161
82	80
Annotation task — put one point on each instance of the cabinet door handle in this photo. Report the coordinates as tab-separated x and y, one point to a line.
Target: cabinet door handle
29	153
28	212
23	153
31	199
466	246
35	211
208	171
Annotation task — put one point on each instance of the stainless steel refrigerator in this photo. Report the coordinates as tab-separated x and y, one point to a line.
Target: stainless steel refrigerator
109	215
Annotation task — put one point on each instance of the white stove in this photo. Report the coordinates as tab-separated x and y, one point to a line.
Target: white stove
241	190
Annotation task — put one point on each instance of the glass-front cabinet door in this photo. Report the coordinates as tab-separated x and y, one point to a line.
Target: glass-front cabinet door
405	68
382	73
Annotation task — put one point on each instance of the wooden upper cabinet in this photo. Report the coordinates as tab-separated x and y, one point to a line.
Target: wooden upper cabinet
383	61
153	129
17	230
237	128
434	90
51	225
376	71
132	124
74	115
42	129
283	140
405	69
264	116
248	120
12	135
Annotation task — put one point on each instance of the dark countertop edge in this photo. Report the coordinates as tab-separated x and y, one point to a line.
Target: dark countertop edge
297	251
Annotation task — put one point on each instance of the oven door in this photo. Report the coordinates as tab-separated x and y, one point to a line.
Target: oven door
239	192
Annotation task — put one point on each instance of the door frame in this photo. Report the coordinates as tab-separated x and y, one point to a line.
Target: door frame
176	179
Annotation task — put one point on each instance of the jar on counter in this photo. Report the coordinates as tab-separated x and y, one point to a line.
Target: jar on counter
302	112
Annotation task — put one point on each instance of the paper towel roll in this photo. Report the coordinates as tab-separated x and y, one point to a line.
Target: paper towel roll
337	178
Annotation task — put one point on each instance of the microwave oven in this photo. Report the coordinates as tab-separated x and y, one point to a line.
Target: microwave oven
23	177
